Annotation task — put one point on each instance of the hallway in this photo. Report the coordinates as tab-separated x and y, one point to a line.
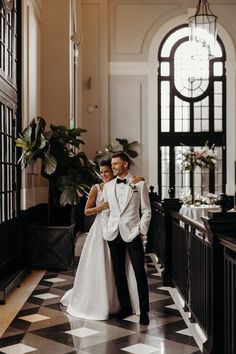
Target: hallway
43	326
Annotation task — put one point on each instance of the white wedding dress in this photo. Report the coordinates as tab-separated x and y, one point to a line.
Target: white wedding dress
94	295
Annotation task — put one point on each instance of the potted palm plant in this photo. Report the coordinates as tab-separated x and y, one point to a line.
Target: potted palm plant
70	175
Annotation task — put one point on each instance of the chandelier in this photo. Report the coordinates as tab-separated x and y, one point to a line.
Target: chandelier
202	31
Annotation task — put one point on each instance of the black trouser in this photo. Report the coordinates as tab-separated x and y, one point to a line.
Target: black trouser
136	253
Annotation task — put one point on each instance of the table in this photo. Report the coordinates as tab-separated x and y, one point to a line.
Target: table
196	212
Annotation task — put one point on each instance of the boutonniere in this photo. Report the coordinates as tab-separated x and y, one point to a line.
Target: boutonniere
132	186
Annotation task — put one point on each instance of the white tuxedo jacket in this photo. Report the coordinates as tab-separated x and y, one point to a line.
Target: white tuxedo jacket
133	219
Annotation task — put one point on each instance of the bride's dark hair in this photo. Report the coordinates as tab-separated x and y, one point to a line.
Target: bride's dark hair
106	163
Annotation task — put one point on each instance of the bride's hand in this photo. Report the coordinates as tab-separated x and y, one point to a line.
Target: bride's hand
102	206
137	179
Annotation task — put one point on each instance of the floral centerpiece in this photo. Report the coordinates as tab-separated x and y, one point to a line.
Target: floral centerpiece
204	158
211	199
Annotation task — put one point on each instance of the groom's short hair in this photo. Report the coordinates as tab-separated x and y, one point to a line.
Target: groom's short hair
123	156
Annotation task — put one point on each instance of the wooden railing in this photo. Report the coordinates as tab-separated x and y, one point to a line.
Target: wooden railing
229	245
200	261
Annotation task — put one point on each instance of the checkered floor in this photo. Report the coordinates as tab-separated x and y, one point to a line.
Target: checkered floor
43	326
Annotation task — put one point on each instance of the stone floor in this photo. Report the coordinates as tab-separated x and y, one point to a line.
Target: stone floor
43	326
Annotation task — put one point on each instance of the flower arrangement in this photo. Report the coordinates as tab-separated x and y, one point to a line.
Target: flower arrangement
204	158
198	200
187	199
211	199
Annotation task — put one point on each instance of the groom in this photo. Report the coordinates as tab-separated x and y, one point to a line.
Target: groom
126	220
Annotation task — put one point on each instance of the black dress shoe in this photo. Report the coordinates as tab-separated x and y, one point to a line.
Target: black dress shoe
124	313
144	319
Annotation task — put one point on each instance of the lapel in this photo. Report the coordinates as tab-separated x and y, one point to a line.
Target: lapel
128	194
114	193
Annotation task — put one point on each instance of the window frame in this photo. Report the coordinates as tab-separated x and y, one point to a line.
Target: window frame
190	138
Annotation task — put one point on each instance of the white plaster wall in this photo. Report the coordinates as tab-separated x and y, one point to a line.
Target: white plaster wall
55	56
34	187
93	66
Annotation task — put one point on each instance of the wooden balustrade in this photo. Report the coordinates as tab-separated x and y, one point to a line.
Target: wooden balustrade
198	261
229	245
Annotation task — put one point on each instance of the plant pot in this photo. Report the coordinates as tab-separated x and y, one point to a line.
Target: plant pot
50	247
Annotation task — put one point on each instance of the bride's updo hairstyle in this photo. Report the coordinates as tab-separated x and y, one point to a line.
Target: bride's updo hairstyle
105	163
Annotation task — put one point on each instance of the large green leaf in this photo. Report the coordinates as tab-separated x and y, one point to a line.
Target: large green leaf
70	172
50	163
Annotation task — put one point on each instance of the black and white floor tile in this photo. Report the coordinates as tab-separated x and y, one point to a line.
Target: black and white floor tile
43	326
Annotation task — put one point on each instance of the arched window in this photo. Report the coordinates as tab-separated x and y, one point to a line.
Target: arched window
191	112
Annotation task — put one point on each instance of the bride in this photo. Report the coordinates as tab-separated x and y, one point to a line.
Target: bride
94	295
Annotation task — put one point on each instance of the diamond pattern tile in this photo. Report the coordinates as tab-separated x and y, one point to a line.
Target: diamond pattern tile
82	332
46	296
34	318
55	280
17	349
44	326
141	349
185	332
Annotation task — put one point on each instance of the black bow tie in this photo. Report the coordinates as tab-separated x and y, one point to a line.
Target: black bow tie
121	180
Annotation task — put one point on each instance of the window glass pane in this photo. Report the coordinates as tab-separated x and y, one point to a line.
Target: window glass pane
218	112
218	50
197	125
191	77
218	171
165	69
182	179
218	87
205	126
173	38
197	112
165	106
218	100
182	115
218	125
217	69
165	168
178	125
165	93
165	126
205	113
186	125
165	113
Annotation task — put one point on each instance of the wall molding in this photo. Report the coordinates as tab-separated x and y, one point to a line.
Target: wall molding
129	68
37	7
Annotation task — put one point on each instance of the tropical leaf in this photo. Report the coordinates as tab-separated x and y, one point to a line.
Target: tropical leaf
127	147
70	172
69	196
50	163
132	153
68	136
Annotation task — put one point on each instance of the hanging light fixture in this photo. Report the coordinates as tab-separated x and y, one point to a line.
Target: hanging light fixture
202	30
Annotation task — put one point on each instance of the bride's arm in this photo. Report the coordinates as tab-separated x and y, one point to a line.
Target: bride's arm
90	208
137	179
90	204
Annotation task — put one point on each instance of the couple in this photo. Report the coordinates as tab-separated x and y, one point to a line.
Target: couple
95	294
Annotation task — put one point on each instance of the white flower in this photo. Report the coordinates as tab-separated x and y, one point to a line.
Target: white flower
132	186
187	199
211	198
204	158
